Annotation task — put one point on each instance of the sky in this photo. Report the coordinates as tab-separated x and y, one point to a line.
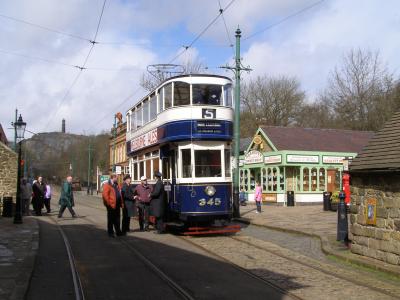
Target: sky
37	70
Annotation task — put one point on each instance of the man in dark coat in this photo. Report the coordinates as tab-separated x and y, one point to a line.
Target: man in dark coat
142	195
39	189
129	209
67	198
157	205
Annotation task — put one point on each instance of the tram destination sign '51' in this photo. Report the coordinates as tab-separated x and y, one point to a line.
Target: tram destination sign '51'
145	140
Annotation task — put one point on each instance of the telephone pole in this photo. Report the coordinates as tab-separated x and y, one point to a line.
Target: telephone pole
237	69
89	167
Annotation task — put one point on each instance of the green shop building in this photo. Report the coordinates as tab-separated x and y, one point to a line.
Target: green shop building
305	161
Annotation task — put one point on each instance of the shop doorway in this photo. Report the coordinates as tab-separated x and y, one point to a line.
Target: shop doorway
255	176
291	178
333	183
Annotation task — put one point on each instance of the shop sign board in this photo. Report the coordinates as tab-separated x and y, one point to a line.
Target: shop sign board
269	197
370	211
308	159
332	159
273	159
253	157
145	140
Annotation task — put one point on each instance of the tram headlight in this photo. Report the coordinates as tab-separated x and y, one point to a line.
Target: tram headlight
210	190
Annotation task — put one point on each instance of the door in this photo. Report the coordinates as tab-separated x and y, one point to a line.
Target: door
331	182
290	179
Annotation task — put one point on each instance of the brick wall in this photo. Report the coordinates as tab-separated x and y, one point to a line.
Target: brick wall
380	241
8	172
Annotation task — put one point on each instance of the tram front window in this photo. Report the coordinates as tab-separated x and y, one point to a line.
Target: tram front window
207	94
207	163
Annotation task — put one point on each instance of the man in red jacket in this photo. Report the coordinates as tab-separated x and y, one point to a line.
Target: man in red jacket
142	192
112	199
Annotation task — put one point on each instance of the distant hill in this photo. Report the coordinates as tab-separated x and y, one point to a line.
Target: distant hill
53	154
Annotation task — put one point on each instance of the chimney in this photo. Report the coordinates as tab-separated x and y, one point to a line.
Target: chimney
63	126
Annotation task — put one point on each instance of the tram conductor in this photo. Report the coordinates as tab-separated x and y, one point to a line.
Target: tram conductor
157	202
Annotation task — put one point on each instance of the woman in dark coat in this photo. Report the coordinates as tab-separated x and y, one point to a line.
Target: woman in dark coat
157	205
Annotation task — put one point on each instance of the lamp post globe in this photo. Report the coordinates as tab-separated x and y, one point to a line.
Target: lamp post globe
19	127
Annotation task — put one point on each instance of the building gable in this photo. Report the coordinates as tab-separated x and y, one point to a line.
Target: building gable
261	142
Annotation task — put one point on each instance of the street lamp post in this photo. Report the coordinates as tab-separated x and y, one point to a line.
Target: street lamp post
19	127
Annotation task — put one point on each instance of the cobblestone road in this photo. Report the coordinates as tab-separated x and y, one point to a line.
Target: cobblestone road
309	279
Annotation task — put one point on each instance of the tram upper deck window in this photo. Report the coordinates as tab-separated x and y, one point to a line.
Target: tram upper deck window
145	112
153	106
181	93
133	120
228	94
160	99
139	118
207	94
167	96
207	163
186	163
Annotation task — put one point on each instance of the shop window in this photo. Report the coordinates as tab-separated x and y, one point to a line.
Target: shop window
314	178
269	179
241	180
274	179
282	179
156	165
306	180
264	179
297	176
186	163
148	169
168	96
246	180
227	153
181	93
141	169
166	168
322	179
207	163
338	179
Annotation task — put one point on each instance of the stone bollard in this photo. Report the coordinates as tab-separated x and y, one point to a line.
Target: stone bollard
342	224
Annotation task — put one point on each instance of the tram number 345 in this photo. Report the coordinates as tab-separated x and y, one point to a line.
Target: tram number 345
210	202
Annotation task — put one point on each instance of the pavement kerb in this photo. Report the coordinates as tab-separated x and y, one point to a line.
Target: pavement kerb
326	247
23	279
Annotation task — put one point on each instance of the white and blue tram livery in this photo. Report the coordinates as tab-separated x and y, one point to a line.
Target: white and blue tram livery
184	129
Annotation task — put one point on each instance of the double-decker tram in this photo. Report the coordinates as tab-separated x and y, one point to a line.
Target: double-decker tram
183	128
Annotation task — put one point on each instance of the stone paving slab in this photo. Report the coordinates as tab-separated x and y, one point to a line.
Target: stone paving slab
313	221
19	244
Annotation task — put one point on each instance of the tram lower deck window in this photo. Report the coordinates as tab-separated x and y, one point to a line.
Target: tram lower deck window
186	163
207	163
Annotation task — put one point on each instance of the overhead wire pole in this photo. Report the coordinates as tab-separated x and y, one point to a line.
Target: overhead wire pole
89	167
237	69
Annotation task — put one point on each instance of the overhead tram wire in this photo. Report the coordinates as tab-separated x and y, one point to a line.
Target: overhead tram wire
201	33
226	27
45	28
284	19
81	68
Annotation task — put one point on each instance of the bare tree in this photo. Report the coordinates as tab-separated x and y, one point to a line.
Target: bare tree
362	92
272	100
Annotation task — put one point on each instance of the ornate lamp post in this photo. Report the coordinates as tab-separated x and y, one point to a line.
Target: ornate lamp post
19	127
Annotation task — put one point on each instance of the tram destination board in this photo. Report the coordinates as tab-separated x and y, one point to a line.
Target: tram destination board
209	127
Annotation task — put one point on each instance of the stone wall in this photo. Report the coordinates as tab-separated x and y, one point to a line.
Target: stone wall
8	172
380	241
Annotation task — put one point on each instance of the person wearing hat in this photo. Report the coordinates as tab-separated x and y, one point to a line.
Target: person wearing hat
157	205
142	192
129	209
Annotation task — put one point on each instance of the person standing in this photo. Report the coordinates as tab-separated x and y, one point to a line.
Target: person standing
39	190
47	198
112	199
157	203
26	194
129	210
258	197
67	198
142	192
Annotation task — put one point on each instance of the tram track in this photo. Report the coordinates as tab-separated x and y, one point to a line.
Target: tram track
79	292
